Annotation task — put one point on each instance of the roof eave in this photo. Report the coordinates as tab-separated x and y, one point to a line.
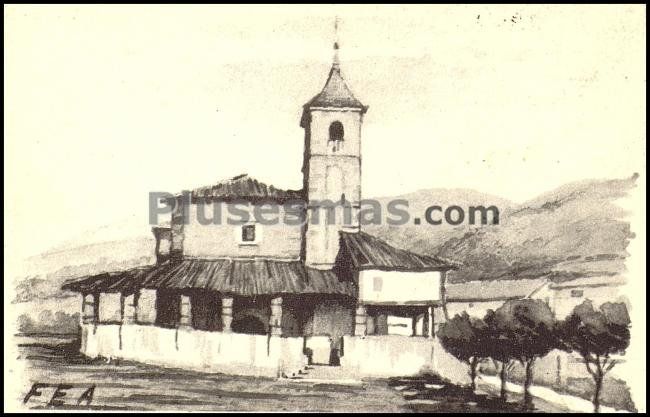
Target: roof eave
406	269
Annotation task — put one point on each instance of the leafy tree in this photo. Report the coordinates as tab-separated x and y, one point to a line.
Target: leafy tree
499	348
25	323
530	329
462	336
596	335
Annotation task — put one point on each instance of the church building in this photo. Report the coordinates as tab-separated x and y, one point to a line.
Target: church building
261	299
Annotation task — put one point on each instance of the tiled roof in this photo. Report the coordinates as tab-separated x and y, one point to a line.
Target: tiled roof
368	252
335	93
229	276
493	290
125	281
245	188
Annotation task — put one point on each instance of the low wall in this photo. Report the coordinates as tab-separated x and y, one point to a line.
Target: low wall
233	353
447	366
390	355
554	369
243	354
394	355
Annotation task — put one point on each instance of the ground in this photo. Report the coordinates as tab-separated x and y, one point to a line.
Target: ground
122	385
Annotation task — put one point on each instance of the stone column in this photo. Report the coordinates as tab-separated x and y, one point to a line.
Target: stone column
275	322
129	306
185	320
226	314
360	321
88	309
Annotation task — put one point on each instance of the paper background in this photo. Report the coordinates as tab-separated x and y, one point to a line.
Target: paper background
106	103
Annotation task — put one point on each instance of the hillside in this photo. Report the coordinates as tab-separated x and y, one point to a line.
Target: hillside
573	231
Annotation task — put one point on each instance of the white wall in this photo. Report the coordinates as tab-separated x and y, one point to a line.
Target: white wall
223	240
563	302
239	354
384	356
331	174
399	287
242	354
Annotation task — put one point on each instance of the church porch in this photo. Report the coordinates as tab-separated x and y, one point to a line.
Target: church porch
157	315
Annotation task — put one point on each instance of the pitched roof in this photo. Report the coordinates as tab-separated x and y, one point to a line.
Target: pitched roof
368	252
246	188
495	290
230	276
335	93
126	281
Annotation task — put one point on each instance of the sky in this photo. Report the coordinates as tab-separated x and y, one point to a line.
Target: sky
104	104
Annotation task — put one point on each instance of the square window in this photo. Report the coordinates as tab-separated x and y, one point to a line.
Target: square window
577	293
248	233
376	284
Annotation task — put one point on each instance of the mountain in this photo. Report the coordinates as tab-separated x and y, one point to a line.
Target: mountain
573	231
576	230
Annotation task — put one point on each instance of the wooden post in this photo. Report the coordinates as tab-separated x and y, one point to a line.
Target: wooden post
275	322
432	329
226	314
186	312
360	321
381	324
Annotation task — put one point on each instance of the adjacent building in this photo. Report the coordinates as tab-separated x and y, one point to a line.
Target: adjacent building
477	297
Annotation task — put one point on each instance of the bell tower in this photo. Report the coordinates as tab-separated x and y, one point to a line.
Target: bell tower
332	166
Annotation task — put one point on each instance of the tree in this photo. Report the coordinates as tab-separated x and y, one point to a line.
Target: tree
25	323
499	348
530	329
462	336
596	335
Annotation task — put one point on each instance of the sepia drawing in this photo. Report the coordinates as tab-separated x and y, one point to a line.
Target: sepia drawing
240	295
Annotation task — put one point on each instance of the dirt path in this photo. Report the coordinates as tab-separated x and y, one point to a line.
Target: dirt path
123	385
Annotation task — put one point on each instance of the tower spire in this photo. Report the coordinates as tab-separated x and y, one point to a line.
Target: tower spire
335	61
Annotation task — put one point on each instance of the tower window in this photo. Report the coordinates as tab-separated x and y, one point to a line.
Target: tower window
336	131
248	233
